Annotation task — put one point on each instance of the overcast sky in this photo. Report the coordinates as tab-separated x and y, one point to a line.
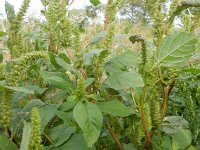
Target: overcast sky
36	5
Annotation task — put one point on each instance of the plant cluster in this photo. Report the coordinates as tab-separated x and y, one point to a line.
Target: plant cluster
59	92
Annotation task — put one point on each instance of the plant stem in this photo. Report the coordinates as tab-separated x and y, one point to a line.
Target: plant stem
119	145
144	122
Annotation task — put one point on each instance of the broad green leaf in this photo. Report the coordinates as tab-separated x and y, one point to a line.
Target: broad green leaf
124	80
173	124
46	114
176	48
6	144
76	142
125	60
67	105
89	118
25	136
60	134
182	139
95	2
58	79
115	108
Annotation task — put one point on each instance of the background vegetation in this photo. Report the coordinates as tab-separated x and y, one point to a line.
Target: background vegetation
73	80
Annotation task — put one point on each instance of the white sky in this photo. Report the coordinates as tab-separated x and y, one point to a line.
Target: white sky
36	5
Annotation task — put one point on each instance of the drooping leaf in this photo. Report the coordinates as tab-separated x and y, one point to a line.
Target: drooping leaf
136	38
124	80
26	135
182	139
95	2
115	108
176	48
6	144
89	118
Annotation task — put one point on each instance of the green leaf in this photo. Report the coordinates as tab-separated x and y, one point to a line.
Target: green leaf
26	135
67	105
10	12
136	38
1	58
6	144
20	89
129	146
88	82
46	114
98	52
67	117
76	142
60	134
115	108
64	57
89	118
190	3
124	80
182	139
30	89
33	103
167	143
173	124
125	60
53	61
2	33
58	79
176	48
98	37
95	2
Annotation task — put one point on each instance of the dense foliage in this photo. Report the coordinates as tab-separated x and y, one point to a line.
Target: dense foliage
65	84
